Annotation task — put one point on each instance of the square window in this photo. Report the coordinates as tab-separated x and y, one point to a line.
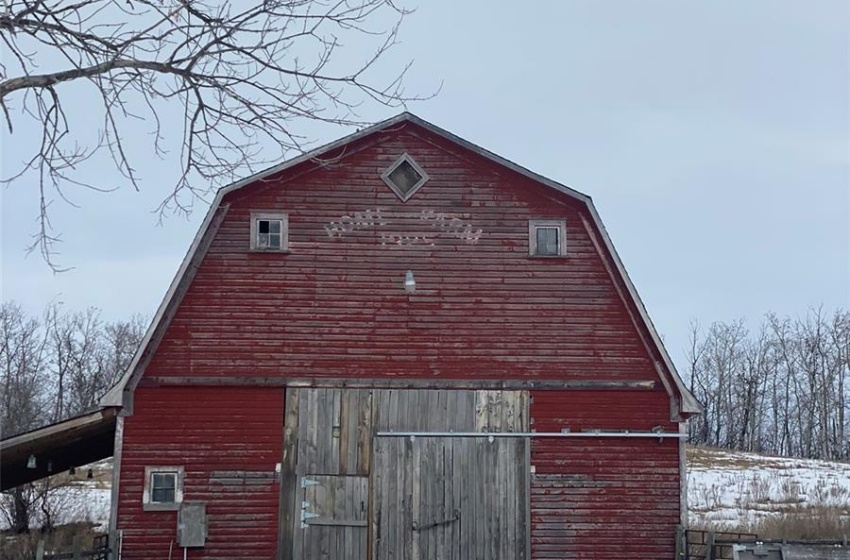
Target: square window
404	177
269	231
163	489
548	241
547	238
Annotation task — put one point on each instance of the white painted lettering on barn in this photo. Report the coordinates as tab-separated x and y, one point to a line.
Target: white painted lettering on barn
442	224
394	239
452	226
359	220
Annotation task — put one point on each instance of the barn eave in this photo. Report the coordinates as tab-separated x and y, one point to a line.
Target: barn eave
55	448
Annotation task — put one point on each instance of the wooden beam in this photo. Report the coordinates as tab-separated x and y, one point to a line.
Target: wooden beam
399	383
58	429
288	478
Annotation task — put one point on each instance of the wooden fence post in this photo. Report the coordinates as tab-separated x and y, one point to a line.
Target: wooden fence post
39	549
681	546
112	546
709	546
78	547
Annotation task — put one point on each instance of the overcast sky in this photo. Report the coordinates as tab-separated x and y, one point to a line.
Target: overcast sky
714	138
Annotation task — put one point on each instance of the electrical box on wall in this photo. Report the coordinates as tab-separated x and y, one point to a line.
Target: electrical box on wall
192	524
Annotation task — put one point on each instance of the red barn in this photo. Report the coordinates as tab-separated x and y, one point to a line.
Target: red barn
400	345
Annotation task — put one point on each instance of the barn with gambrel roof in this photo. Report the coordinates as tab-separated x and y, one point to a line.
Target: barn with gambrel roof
400	345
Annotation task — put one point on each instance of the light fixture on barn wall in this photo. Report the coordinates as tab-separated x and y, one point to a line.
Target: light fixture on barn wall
409	282
31	462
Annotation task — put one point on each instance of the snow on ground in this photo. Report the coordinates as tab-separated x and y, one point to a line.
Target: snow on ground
71	498
734	488
724	488
85	501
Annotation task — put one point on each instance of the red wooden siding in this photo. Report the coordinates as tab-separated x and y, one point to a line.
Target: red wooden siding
335	305
208	431
603	498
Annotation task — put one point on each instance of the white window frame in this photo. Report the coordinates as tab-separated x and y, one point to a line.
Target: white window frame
534	225
385	176
256	217
147	494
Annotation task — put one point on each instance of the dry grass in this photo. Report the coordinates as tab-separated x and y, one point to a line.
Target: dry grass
803	524
817	523
799	522
774	497
710	457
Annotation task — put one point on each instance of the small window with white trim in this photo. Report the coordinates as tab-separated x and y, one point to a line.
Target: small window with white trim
404	177
547	238
163	488
269	231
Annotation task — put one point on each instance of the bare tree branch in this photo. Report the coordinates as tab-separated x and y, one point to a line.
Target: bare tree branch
246	77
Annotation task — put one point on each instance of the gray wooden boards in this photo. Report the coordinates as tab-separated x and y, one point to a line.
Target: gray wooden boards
332	450
449	498
350	495
333	518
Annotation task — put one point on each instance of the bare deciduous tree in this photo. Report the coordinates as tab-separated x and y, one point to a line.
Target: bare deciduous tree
782	391
22	395
50	370
240	77
23	372
86	356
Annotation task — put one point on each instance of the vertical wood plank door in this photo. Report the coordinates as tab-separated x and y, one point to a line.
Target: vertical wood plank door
450	498
333	520
349	494
453	498
329	488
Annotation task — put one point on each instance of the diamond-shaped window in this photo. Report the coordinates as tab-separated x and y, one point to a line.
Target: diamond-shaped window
404	177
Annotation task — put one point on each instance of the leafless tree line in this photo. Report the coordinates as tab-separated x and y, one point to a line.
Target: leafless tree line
59	364
52	367
779	389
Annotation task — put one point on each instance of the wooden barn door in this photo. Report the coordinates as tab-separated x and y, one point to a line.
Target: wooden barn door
348	494
452	498
325	481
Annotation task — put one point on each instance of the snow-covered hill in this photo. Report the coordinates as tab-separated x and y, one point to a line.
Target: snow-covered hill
737	490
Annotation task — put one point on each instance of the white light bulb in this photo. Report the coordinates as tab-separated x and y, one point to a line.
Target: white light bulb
409	282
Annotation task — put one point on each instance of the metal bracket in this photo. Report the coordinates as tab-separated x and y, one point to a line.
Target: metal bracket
306	515
417	527
305	482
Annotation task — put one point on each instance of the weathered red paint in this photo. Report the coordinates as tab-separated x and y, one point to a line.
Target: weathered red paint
334	306
207	431
603	498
